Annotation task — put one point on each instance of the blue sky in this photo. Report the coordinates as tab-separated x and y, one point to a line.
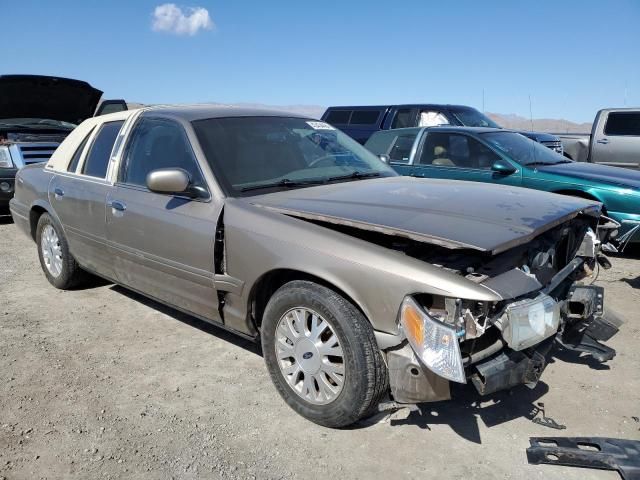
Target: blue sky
571	57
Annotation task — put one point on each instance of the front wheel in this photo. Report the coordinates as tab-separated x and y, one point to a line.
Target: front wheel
322	355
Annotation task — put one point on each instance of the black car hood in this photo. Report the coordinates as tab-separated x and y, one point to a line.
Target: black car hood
38	96
537	136
599	173
450	213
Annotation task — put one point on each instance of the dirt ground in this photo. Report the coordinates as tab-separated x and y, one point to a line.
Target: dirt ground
101	383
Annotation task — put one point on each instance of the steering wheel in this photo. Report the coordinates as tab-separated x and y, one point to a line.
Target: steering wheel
324	158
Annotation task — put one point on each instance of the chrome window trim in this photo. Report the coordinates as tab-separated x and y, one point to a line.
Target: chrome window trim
96	131
128	136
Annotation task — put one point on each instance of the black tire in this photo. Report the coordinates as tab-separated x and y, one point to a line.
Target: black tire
366	378
71	275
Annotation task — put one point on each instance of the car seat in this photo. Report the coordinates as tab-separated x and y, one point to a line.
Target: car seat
440	157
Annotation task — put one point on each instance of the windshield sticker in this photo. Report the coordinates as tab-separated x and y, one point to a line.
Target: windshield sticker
320	126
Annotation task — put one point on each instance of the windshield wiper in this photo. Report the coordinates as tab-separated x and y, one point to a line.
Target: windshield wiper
534	164
285	182
355	175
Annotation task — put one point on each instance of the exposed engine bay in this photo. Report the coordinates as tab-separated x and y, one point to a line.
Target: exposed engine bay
506	343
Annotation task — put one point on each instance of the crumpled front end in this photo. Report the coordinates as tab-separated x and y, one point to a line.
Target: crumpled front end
547	300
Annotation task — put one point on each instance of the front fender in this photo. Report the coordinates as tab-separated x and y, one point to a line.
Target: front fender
377	279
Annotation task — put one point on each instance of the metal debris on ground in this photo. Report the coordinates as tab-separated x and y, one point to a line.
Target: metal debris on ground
544	420
588	452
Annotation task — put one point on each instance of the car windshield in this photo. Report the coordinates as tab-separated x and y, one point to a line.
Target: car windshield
470	117
252	155
36	123
522	149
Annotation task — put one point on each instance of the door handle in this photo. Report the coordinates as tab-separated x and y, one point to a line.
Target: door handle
603	141
58	192
118	205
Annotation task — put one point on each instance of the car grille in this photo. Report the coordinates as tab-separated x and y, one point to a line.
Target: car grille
36	152
556	146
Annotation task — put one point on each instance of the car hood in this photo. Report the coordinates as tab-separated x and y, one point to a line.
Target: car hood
453	214
37	96
538	136
596	173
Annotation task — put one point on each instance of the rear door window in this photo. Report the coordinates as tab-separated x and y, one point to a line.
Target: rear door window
623	124
97	161
338	117
401	149
405	117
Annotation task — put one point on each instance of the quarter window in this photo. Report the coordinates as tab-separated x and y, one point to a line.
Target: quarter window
76	156
623	123
429	118
455	150
97	159
158	143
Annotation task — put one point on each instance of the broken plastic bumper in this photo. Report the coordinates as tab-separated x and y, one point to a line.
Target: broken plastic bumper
499	367
510	368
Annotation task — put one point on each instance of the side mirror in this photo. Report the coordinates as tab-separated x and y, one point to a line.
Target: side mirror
169	181
385	158
503	168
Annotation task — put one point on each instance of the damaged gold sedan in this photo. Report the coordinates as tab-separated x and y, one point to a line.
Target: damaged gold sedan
360	284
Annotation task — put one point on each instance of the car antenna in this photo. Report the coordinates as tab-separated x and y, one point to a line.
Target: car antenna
533	149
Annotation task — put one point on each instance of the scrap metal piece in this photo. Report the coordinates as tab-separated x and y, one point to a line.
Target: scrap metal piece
588	452
545	421
587	344
603	328
549	422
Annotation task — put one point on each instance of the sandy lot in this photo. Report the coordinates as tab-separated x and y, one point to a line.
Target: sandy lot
101	383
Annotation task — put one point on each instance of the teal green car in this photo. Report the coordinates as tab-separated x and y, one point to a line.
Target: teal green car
505	157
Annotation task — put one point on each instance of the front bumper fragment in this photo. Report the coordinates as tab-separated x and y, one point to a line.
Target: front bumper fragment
511	368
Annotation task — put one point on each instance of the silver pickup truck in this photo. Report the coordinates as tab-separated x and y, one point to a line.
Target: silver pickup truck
614	139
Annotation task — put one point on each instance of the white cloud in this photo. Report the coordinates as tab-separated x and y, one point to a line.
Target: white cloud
188	21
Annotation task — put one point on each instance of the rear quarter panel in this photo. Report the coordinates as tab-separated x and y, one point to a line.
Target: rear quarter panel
32	187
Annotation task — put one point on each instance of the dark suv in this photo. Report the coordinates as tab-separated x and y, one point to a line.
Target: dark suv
362	122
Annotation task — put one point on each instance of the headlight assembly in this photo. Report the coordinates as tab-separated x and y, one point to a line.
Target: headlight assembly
528	322
5	157
435	343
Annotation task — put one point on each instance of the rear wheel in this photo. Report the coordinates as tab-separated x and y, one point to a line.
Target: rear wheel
322	355
60	268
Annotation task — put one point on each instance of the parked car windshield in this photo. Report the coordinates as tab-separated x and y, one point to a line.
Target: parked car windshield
470	117
522	149
250	155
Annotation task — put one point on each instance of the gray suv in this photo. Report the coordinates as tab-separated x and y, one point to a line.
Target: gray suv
360	284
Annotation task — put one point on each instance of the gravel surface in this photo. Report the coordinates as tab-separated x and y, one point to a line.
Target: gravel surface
102	383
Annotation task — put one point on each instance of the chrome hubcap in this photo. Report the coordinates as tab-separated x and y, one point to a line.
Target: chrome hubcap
310	356
51	250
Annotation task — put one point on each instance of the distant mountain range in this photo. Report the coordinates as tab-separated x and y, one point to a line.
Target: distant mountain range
505	120
539	124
